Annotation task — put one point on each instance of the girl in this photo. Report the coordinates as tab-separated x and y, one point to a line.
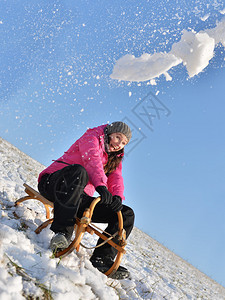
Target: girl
93	162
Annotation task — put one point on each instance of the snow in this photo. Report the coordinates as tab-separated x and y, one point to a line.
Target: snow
194	50
204	18
28	271
145	67
218	33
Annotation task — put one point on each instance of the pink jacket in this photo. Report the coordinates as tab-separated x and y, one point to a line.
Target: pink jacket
89	151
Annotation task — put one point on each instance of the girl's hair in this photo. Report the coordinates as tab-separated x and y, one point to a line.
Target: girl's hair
114	159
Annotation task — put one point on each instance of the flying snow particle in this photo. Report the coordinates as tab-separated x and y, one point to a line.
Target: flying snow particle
152	82
204	18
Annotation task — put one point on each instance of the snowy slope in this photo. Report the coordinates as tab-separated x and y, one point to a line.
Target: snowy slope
27	271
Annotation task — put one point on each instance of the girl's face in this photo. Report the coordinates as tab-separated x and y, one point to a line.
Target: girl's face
117	141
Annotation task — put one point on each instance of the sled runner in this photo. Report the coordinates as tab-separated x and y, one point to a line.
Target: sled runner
82	225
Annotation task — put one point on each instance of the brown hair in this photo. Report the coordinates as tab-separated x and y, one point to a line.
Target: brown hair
114	159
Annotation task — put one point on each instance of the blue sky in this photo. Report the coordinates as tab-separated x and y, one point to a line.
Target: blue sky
56	58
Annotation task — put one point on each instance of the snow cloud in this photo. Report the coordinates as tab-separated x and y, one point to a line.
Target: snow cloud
218	33
194	50
145	67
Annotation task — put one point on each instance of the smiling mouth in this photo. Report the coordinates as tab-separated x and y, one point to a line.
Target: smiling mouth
115	147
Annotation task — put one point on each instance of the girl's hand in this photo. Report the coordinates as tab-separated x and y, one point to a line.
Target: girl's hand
106	196
116	204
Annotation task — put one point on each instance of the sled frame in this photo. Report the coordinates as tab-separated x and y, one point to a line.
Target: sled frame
82	225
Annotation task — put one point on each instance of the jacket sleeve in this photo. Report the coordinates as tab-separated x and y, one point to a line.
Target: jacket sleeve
91	155
115	182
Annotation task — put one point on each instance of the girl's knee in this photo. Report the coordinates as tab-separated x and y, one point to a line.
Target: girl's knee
128	212
81	172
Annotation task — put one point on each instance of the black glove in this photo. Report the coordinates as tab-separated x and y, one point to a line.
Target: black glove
116	204
106	196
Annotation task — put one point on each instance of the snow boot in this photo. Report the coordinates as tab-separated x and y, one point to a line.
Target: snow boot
103	264
121	273
59	242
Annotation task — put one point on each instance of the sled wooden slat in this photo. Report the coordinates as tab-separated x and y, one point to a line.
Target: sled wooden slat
32	194
82	225
103	237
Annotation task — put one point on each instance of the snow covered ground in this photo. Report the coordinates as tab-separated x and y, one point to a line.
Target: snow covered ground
27	270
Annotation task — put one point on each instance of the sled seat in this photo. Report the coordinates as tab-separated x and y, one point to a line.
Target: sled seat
82	225
32	194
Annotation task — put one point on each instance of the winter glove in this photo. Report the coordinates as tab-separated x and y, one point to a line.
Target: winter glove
116	204
106	196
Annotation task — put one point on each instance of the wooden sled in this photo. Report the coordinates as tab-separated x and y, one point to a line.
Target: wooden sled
82	225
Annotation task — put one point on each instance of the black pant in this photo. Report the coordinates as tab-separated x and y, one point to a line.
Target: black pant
66	189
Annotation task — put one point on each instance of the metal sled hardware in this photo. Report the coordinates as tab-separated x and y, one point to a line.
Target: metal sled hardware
82	225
